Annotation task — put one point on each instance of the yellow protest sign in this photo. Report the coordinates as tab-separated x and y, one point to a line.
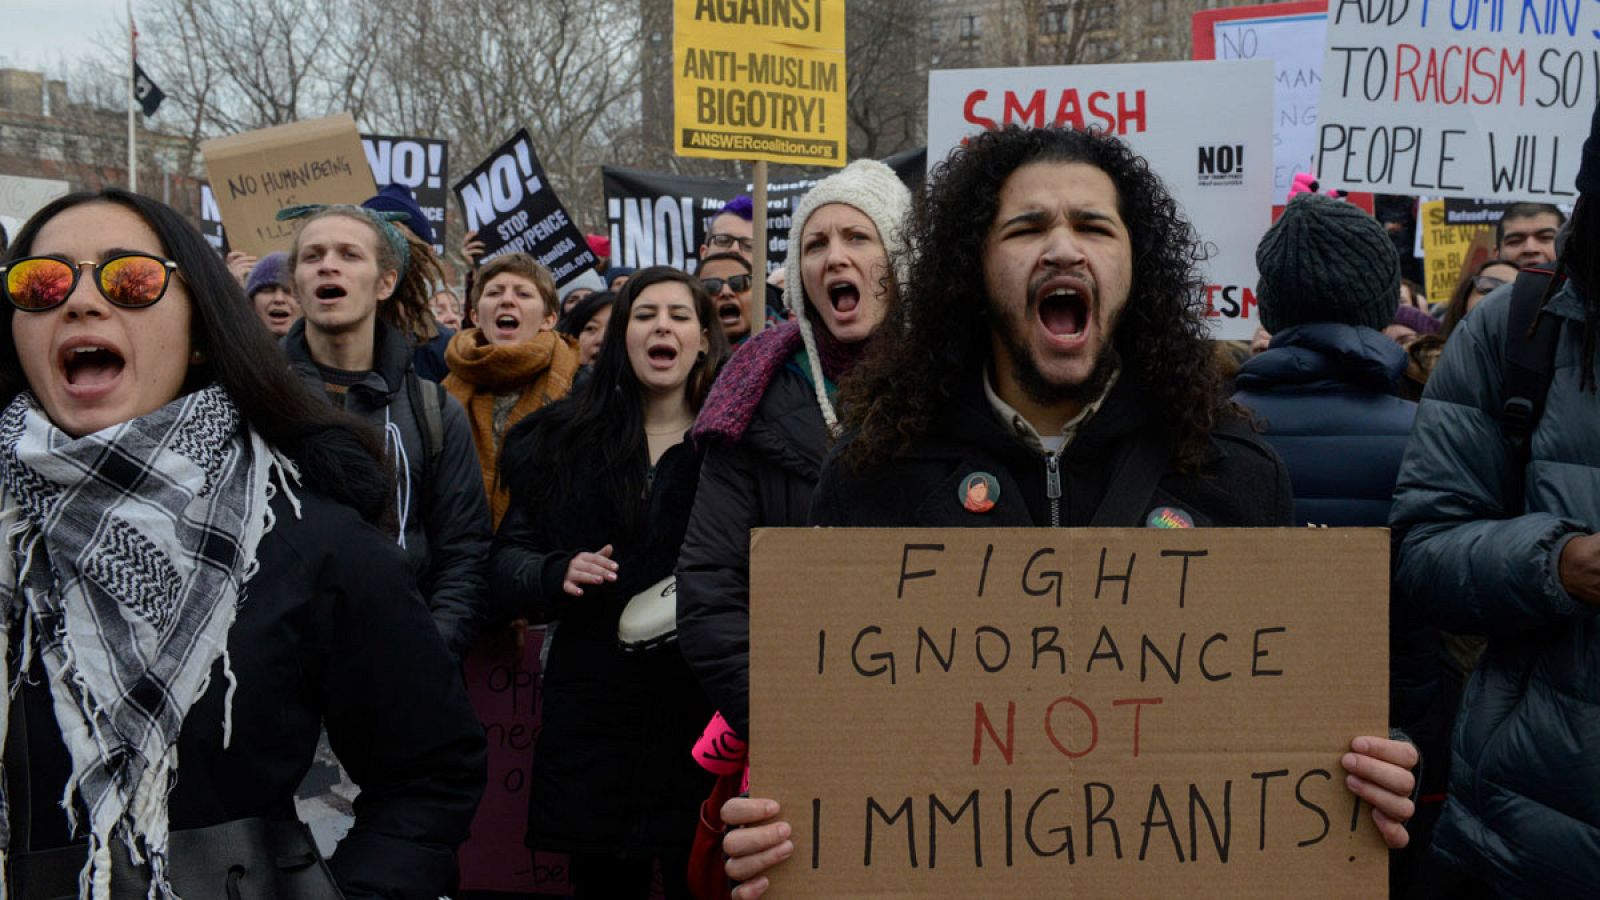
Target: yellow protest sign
761	80
1444	249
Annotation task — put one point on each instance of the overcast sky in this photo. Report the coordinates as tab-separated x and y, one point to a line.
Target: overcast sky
53	34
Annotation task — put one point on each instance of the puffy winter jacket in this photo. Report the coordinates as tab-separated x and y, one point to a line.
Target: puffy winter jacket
1323	396
1479	540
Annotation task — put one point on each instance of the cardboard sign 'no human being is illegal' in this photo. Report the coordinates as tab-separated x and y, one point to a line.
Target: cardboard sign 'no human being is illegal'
761	81
257	173
1084	713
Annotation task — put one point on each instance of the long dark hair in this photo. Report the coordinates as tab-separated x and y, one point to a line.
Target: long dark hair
240	354
596	434
578	316
1456	309
936	334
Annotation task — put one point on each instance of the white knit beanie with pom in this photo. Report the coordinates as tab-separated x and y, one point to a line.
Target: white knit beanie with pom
875	190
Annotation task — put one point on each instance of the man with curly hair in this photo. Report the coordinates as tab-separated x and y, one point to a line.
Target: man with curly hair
1051	336
1050	345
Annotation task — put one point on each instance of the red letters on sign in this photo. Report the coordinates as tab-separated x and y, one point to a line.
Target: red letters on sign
1116	114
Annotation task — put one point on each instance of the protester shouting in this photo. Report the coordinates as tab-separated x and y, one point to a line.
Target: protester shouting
193	587
364	304
1030	352
601	487
511	363
270	288
766	425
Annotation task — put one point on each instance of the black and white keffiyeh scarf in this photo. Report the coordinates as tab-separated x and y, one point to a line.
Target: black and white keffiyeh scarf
125	557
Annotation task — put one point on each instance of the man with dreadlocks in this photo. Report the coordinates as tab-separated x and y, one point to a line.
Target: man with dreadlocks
1496	537
1048	365
366	287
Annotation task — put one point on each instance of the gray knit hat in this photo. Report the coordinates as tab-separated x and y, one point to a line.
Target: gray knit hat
1327	261
875	190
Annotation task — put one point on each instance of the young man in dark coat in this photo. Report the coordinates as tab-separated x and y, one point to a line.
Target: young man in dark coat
348	347
1048	364
1496	542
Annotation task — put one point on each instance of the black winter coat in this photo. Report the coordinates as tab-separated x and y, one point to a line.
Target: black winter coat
446	520
331	632
1243	484
612	771
765	480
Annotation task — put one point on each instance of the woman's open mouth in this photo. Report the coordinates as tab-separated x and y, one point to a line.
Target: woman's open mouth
507	324
91	367
844	296
662	356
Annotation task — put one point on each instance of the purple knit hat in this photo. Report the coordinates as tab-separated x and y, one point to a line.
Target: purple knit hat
1417	320
270	270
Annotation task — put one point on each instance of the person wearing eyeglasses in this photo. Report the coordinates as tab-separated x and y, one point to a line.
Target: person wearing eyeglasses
194	583
732	230
1471	290
727	278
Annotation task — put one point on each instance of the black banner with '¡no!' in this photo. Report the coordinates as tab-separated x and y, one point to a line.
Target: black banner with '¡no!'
509	202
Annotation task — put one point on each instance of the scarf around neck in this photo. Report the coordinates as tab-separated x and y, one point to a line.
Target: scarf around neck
126	553
539	372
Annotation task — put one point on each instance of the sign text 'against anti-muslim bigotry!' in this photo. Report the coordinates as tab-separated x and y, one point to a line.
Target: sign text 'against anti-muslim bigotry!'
760	80
1085	713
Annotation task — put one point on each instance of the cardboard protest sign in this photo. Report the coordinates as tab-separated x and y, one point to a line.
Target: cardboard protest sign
509	202
1204	127
660	219
1293	36
505	690
762	81
1093	713
257	173
421	164
1458	100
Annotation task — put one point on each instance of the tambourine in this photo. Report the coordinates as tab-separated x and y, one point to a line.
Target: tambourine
650	619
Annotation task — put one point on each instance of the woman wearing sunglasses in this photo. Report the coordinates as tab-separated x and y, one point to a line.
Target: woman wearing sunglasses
726	277
1471	290
192	589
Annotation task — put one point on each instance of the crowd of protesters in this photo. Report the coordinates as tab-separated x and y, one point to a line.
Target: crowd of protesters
249	503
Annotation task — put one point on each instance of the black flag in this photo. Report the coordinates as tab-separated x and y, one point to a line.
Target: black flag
149	95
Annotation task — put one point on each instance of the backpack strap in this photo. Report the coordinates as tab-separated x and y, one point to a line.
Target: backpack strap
1530	357
427	405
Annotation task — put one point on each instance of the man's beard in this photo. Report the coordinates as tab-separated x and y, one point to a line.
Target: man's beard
1039	388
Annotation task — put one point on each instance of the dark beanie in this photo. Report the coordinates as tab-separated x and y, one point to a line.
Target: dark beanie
1589	169
1327	261
398	198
